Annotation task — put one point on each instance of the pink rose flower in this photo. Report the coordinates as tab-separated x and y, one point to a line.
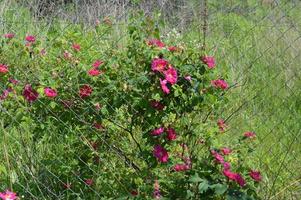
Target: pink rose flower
221	125
164	87
255	175
226	165
181	167
85	91
219	84
30	94
171	134
234	177
230	175
240	180
171	75
160	153
5	94
218	158
76	47
9	35
159	64
156	43
97	63
172	48
50	92
94	72
30	38
158	131
188	78
226	151
249	134
209	61
8	195
89	182
3	69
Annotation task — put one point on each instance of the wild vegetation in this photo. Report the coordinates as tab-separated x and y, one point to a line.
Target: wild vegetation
138	108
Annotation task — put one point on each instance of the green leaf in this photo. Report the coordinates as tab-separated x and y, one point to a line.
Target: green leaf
237	195
219	188
203	186
52	104
189	194
195	178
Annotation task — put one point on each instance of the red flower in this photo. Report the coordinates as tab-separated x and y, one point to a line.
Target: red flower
255	175
221	125
218	158
240	180
234	177
157	131
164	87
172	48
85	91
30	94
226	165
171	134
230	175
76	47
89	182
50	92
181	167
156	105
171	75
249	134
209	61
97	63
3	69
220	84
159	64
226	151
30	38
155	42
160	153
9	35
94	72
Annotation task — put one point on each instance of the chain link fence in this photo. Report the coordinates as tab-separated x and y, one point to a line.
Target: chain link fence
257	43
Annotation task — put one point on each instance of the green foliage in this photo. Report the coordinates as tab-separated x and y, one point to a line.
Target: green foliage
60	144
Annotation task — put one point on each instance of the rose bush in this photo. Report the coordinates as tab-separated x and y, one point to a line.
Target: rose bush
137	119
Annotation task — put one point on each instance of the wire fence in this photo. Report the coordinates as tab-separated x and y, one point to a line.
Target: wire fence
257	43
